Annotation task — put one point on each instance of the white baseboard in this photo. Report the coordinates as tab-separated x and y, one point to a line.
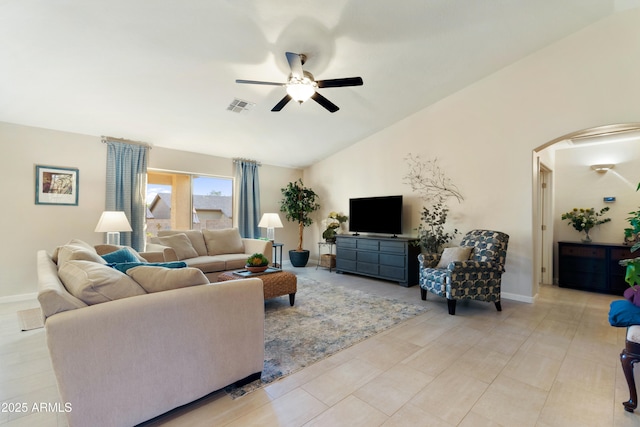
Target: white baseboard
517	297
18	298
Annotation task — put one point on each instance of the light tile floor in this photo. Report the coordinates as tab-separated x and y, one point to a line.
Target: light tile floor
554	363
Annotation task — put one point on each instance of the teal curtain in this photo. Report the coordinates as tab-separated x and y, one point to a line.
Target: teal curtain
249	198
127	186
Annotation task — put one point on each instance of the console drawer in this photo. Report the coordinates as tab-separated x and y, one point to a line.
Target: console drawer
371	257
393	247
370	245
393	260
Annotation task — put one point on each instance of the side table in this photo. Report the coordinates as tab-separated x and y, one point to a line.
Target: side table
277	249
326	259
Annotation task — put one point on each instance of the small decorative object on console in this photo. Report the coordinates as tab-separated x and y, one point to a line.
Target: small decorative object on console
257	263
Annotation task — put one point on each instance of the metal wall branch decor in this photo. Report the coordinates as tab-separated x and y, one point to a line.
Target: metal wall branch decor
56	186
427	179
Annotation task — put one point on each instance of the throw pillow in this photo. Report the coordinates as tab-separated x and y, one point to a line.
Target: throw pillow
94	283
105	249
623	313
158	279
120	256
77	250
180	243
195	236
459	253
124	266
225	241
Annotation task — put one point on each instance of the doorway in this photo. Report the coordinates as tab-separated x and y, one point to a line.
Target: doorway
543	191
545	215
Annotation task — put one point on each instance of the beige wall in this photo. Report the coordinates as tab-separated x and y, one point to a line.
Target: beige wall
28	227
578	186
485	135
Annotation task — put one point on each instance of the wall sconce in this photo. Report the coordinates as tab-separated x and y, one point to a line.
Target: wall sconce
602	168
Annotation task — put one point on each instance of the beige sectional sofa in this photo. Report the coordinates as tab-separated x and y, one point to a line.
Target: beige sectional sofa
146	350
212	251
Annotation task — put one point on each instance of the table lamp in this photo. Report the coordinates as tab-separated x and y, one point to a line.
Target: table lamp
112	223
270	221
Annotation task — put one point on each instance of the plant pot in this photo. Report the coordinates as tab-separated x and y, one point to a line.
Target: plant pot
299	259
255	269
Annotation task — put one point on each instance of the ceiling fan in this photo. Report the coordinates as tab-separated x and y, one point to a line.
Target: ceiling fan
301	85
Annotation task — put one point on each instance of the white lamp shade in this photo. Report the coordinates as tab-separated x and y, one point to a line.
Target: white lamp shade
270	220
113	221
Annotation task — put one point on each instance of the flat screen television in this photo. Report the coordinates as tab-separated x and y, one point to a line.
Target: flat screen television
380	215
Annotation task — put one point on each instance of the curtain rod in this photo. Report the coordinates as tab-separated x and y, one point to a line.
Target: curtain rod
240	159
105	139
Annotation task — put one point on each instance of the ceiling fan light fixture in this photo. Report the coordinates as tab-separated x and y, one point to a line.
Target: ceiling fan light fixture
301	89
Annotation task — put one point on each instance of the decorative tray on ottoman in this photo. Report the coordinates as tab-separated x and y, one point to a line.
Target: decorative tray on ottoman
247	273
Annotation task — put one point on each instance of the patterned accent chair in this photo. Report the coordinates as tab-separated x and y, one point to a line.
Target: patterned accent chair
477	278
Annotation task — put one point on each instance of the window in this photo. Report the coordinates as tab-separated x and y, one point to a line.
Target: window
179	201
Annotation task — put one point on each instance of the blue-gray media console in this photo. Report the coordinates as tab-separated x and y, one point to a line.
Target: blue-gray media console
387	258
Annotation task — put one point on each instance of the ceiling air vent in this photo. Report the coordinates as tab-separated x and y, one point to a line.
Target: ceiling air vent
240	106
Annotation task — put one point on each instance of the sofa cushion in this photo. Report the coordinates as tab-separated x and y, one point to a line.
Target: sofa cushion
52	295
94	283
195	236
459	253
180	243
208	264
225	241
158	279
124	266
77	250
233	261
120	256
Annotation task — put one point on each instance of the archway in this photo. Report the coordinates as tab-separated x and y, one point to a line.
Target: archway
543	198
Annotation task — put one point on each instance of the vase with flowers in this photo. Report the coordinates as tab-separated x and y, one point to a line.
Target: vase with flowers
332	224
584	219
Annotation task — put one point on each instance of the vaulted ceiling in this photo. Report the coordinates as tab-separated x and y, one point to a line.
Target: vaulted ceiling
164	72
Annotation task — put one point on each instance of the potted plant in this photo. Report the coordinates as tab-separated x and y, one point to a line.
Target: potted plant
334	222
298	203
431	234
632	276
584	219
257	263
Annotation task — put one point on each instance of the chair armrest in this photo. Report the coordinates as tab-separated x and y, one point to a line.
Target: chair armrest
252	246
429	260
168	253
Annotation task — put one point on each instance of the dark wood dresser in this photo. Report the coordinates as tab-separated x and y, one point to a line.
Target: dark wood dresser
592	266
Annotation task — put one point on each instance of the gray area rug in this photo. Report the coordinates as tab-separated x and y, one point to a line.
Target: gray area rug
324	320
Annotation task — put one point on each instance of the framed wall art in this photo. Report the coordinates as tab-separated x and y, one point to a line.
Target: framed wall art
56	186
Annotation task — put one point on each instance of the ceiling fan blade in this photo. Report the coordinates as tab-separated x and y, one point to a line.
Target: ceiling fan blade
295	63
280	105
256	82
325	102
349	81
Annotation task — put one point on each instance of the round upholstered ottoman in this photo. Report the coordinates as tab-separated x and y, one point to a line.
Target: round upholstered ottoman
274	284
